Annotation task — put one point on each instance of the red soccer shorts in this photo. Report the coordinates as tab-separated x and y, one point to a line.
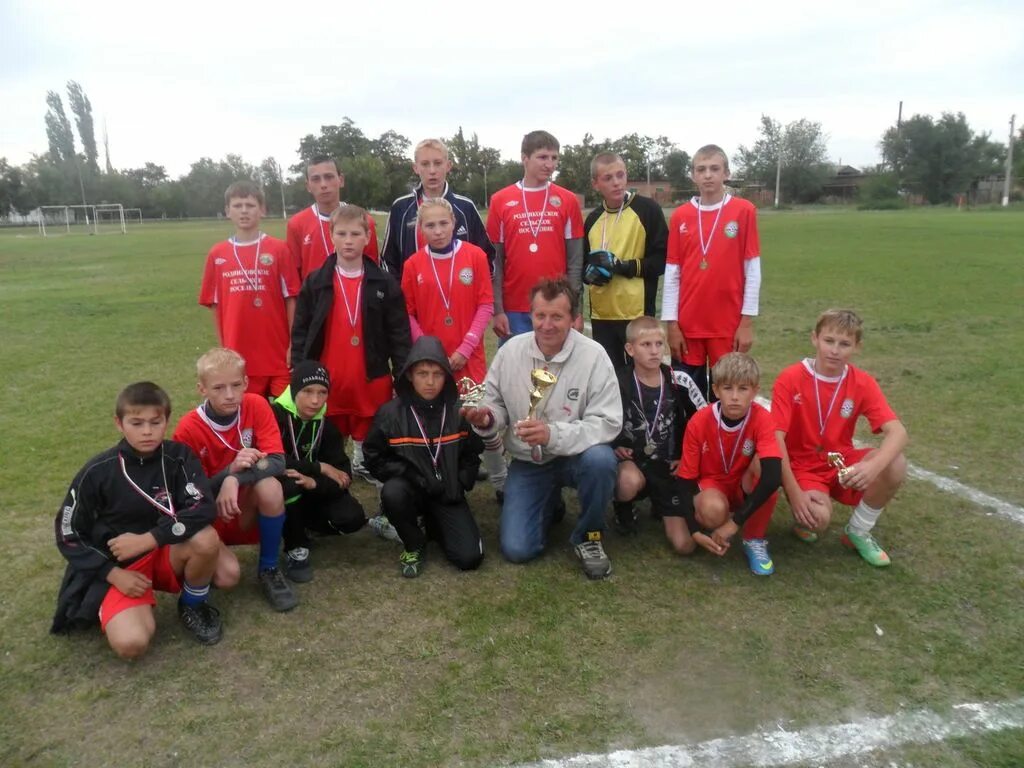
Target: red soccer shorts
231	531
699	351
827	480
356	427
268	386
756	526
156	566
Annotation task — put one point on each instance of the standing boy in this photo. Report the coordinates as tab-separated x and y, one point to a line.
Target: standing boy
403	237
426	455
625	238
250	284
730	469
537	230
317	474
236	439
713	275
137	519
309	230
657	402
815	406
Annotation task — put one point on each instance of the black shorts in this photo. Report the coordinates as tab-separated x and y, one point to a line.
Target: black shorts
662	487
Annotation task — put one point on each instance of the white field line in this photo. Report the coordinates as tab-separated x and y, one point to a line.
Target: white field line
818	744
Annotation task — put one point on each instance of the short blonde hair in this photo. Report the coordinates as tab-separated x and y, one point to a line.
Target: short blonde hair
709	150
843	320
430	144
736	368
218	359
604	158
350	213
435	202
640	325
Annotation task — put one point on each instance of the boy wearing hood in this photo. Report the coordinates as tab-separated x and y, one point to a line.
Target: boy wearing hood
426	455
317	471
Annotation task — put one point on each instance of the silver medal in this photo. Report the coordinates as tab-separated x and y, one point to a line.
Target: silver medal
649	449
448	320
178	529
534	247
355	341
257	302
263	463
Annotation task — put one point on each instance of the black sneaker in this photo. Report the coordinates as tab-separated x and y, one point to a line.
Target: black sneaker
626	521
595	562
411	563
276	590
298	566
203	621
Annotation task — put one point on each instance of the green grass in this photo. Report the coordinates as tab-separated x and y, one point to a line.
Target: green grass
514	663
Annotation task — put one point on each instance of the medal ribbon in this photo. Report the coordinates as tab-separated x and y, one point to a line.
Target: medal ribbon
604	221
451	275
213	427
254	281
320	225
353	316
817	399
169	509
739	437
543	210
317	434
650	427
704	248
435	452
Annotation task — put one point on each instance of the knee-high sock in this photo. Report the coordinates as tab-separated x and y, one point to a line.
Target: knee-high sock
271	529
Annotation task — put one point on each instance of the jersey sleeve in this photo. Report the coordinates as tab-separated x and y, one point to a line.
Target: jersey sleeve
495	230
266	435
765	444
371	249
74	524
390	255
293	239
689	465
752	241
289	273
673	252
782	402
409	288
876	408
208	288
573	217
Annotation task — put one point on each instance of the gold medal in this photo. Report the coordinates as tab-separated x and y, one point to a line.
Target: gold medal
703	264
257	302
355	341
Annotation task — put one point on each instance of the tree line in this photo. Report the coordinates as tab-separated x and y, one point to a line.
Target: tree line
935	159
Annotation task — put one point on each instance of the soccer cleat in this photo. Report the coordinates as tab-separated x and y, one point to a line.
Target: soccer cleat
412	563
594	561
383	528
626	521
203	621
297	566
276	590
805	535
758	557
866	547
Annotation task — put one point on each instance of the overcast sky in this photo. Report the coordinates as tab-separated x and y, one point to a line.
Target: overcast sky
175	81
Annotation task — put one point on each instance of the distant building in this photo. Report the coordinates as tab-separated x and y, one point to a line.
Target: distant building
843	185
659	191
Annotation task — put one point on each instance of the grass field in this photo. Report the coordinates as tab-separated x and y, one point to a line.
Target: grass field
515	663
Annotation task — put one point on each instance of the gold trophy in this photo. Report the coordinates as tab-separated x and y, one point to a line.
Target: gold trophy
542	381
835	460
470	393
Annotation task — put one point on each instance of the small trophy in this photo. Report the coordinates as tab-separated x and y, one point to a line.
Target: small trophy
835	460
470	393
542	381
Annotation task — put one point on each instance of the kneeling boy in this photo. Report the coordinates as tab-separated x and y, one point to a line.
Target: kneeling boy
730	469
235	436
137	519
426	455
318	472
815	406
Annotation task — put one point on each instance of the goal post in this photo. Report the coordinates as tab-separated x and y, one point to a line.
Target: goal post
112	214
67	219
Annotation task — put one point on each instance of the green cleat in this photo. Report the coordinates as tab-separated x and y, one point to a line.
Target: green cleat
866	547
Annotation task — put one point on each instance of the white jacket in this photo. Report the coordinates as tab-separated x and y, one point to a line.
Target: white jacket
583	408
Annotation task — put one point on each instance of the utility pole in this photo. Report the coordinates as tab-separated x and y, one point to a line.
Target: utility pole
778	170
280	177
1009	165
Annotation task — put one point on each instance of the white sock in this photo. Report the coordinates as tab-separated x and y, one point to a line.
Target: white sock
864	518
357	452
497	469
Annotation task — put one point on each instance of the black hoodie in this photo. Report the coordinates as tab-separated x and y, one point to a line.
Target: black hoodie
395	446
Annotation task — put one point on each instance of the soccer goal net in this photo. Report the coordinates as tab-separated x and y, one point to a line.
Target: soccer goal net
100	219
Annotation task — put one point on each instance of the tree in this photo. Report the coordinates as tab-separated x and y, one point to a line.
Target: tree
939	159
81	108
392	149
676	166
470	160
337	141
805	165
206	181
58	129
14	192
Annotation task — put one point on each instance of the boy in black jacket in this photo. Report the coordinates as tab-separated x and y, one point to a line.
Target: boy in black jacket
656	404
318	472
137	518
423	451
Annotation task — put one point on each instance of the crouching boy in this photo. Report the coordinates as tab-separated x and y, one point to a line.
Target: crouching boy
426	455
317	474
137	519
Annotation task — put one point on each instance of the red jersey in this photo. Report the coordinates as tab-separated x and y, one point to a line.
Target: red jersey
216	445
351	394
533	225
463	280
712	274
716	452
248	284
819	413
309	240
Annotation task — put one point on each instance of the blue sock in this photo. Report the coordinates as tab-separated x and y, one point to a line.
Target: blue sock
270	540
192	595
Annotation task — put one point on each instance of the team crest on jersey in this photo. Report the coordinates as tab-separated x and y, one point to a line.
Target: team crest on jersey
732	229
556	201
511	203
218	262
247	438
846	410
191	490
748	447
266	259
466	276
308	239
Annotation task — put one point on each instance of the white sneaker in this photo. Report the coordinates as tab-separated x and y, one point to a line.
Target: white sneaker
383	528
